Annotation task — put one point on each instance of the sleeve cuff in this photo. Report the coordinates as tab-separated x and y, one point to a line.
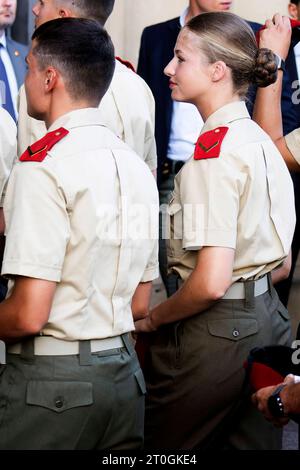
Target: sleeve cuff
195	241
150	274
10	268
152	164
293	143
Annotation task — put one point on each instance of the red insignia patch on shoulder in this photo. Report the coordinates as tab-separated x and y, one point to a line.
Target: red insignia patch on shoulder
209	144
37	152
126	63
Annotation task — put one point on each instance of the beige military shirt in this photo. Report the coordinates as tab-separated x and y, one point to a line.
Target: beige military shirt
293	143
127	109
86	218
8	149
242	200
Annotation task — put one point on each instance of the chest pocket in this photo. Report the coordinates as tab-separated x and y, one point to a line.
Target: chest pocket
174	228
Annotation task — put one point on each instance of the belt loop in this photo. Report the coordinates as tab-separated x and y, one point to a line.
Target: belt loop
85	355
27	350
249	294
128	344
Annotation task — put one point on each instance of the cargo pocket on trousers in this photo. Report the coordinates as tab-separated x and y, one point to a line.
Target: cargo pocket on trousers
59	396
230	343
140	381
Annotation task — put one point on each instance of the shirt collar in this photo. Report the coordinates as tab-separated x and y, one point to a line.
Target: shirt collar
225	115
183	17
78	118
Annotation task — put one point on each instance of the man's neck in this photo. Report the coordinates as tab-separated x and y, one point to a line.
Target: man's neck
55	112
193	10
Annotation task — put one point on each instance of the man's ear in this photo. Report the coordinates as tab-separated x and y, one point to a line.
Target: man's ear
65	13
218	70
50	78
293	11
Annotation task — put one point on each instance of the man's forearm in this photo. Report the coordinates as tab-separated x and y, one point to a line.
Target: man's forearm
27	309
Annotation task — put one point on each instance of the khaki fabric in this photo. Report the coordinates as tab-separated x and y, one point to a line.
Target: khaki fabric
127	109
293	142
242	200
87	218
8	149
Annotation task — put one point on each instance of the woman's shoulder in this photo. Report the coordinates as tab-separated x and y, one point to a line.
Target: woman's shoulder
231	146
243	133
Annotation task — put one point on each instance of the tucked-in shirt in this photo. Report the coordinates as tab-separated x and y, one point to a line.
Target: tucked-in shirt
86	218
127	109
293	143
241	200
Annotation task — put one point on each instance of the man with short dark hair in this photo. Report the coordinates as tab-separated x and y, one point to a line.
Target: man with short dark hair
128	106
73	232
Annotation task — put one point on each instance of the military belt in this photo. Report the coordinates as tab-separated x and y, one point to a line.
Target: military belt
50	346
237	290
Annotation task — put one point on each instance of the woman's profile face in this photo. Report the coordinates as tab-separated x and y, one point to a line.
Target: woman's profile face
189	69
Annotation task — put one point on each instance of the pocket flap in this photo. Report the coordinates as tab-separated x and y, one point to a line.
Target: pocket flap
140	380
233	329
59	396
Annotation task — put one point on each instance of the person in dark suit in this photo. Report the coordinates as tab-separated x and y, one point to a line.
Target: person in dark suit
12	59
291	121
177	125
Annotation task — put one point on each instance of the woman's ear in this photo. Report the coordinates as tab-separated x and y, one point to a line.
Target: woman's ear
218	70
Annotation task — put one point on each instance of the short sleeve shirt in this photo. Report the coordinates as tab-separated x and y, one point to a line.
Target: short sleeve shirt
85	218
241	200
127	109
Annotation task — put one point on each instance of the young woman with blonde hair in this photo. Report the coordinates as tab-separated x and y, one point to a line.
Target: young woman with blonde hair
231	224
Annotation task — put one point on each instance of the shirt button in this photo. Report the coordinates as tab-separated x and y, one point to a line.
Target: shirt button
59	402
235	333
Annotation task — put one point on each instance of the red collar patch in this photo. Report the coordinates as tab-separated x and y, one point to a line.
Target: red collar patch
37	152
209	144
126	63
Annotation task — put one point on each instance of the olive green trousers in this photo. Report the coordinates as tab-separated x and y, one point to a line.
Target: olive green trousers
56	402
194	376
